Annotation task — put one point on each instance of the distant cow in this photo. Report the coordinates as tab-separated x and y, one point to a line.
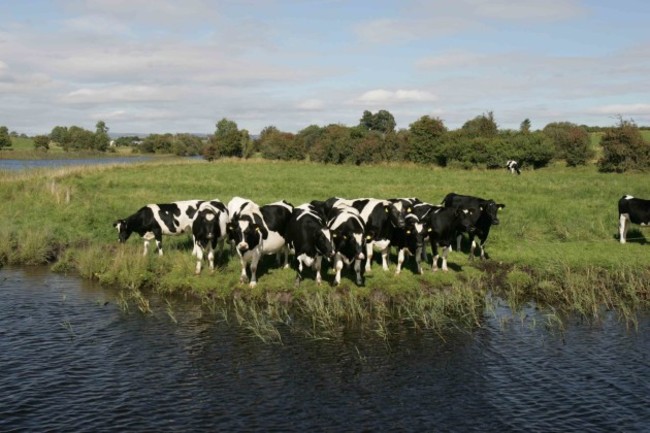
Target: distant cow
209	231
482	220
513	166
347	228
310	239
441	225
155	220
258	231
635	210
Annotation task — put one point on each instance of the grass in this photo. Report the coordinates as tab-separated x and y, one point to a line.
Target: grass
556	245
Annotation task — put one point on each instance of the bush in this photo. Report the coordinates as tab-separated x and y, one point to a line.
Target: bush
624	149
571	142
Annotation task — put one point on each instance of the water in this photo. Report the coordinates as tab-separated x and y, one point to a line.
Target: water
72	360
16	164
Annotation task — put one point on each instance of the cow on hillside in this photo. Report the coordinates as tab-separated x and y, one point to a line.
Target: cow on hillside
513	166
635	210
209	231
409	241
155	220
309	239
485	218
258	231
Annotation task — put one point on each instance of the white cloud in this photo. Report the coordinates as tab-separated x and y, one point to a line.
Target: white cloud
623	109
122	93
311	104
395	96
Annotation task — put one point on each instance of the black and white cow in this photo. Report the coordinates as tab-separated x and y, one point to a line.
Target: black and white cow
209	231
405	205
347	228
258	231
441	225
513	166
310	239
635	210
409	241
485	218
155	220
380	217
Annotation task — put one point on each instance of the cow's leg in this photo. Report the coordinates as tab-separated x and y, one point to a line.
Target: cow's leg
285	250
219	249
369	254
195	247
298	270
146	247
199	258
338	265
243	277
400	261
385	260
357	269
445	251
458	239
317	264
158	236
622	228
211	258
418	260
434	252
254	262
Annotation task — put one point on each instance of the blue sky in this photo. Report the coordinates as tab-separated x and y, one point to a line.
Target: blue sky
161	66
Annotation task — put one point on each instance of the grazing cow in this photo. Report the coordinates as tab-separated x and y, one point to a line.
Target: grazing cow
209	231
513	166
155	220
405	205
635	210
485	218
347	229
258	231
441	225
309	239
380	217
409	241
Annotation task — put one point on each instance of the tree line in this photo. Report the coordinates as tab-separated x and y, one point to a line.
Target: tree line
478	143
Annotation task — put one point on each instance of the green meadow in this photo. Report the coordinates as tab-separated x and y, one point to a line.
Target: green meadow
556	247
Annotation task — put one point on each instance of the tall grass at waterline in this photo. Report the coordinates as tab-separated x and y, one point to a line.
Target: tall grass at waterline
557	241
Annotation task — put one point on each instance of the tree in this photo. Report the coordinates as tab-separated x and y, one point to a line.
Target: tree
59	135
571	142
42	142
78	138
5	138
525	126
102	140
228	138
426	140
481	126
382	121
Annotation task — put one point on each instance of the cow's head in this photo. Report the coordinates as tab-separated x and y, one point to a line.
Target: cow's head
465	219
323	243
349	243
414	233
489	208
207	222
247	235
395	216
123	230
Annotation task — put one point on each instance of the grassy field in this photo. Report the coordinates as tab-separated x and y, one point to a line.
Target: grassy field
556	244
23	148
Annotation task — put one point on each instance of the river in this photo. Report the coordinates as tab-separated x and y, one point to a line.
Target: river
72	360
23	164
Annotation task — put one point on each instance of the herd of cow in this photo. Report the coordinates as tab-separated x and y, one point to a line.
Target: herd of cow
345	232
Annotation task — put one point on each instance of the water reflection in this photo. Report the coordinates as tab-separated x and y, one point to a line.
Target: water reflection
16	164
71	359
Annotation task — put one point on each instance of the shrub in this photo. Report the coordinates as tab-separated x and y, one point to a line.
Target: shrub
624	149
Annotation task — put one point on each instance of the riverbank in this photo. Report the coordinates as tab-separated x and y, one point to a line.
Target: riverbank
556	245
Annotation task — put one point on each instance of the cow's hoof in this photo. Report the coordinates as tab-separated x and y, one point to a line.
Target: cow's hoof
252	284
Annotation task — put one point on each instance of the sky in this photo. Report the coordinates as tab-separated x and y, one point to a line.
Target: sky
159	66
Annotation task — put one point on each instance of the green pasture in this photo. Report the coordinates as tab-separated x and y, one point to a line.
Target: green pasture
557	241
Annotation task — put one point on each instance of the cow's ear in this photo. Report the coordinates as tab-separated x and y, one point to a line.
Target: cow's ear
500	206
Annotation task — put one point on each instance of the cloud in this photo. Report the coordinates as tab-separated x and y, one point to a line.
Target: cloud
395	96
120	93
623	109
311	104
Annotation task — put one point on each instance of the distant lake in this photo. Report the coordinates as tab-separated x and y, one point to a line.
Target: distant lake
18	164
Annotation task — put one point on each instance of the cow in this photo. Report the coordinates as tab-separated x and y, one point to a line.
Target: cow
347	228
380	217
258	231
631	209
513	166
409	241
155	220
441	225
405	205
310	240
485	218
209	231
